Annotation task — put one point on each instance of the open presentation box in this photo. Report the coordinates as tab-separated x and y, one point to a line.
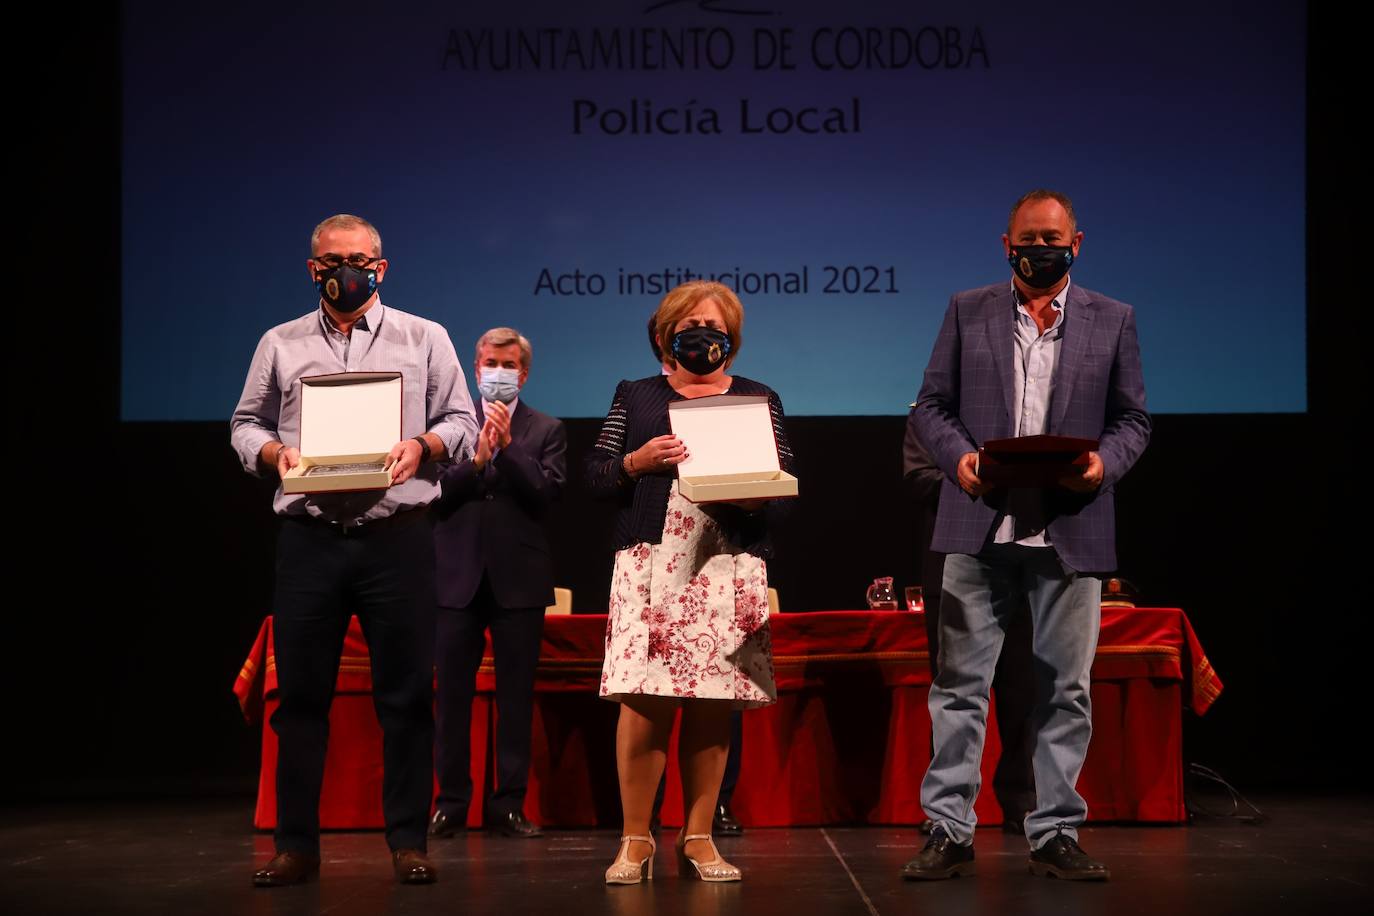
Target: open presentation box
349	422
734	454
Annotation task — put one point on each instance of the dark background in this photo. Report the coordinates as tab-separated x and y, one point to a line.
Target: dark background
140	556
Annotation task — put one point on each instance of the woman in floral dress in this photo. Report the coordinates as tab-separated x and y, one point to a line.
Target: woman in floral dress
688	624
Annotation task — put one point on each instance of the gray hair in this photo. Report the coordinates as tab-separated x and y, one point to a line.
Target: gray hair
347	221
504	337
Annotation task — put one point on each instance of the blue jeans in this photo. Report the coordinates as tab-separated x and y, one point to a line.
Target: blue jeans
980	595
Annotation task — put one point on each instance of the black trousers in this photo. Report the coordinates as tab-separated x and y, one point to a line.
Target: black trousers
384	573
1013	683
515	638
730	778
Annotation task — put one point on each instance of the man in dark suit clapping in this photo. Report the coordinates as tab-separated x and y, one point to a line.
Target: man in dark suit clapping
494	571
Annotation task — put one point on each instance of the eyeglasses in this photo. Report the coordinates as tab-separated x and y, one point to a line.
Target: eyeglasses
332	261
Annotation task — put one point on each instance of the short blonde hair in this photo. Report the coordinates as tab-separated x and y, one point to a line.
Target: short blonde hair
347	221
504	337
685	297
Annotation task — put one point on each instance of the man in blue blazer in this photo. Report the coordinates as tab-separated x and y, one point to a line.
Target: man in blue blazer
494	571
1036	355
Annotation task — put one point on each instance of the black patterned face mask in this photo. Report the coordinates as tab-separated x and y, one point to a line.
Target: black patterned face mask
701	350
345	287
1040	266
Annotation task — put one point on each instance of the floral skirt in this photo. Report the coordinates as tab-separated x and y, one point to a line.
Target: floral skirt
689	616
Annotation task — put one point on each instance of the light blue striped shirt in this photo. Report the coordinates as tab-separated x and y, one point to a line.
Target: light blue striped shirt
434	398
1037	357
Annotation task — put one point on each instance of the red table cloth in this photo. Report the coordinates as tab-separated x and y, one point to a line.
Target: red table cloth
847	742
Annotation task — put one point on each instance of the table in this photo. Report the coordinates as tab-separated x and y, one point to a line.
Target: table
847	742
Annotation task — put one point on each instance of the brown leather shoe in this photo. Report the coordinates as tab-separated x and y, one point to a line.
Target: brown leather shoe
413	867
286	868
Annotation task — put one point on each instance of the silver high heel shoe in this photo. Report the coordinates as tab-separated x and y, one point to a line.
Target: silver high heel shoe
623	871
715	870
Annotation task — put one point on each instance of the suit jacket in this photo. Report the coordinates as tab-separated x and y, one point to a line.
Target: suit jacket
923	477
492	522
1099	393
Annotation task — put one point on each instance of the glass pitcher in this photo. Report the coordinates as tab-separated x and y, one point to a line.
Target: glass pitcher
880	595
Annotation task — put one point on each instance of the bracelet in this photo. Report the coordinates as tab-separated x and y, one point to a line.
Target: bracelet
424	449
628	465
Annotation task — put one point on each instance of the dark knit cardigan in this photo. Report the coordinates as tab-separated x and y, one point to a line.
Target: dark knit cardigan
639	412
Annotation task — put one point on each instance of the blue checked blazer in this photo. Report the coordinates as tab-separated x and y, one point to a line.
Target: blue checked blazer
967	398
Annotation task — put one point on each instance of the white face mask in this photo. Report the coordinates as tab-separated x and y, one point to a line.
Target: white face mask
497	383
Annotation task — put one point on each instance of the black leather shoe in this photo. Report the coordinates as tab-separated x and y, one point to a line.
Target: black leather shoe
926	826
941	858
442	825
286	868
1062	857
412	866
514	824
723	823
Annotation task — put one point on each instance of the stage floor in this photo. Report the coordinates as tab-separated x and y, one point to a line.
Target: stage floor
196	857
